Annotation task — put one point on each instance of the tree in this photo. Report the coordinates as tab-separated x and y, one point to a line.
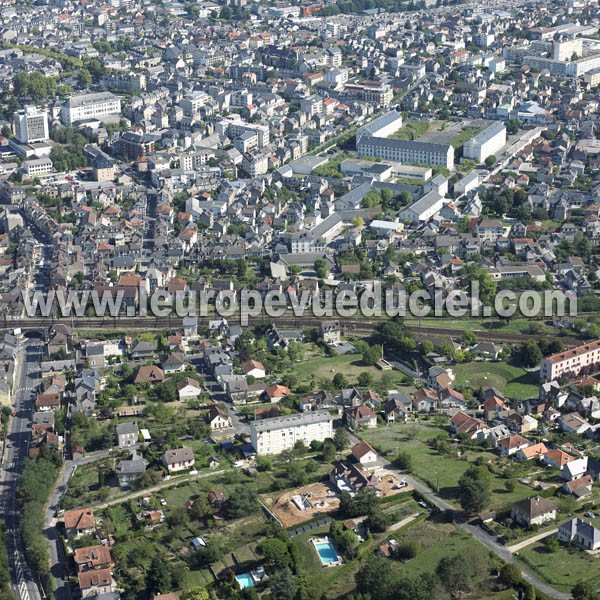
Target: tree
371	355
340	381
378	521
528	354
341	439
510	485
321	268
376	579
510	575
490	160
283	585
403	461
365	379
275	552
461	572
551	544
243	501
84	78
329	450
584	590
474	489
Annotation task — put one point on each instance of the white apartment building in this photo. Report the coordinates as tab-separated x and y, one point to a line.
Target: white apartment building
31	125
570	361
37	166
383	126
90	106
234	128
485	143
273	436
406	151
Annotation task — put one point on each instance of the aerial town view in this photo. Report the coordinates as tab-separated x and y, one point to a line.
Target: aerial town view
299	300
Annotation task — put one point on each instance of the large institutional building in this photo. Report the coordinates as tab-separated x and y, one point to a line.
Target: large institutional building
273	436
486	143
90	106
406	151
570	362
31	125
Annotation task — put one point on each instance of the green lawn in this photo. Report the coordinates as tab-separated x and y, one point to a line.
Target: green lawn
514	382
439	470
349	365
563	568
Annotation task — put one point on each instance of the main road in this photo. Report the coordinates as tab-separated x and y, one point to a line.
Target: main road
27	378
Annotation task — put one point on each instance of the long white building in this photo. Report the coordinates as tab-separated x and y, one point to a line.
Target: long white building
570	362
406	151
90	106
485	143
273	436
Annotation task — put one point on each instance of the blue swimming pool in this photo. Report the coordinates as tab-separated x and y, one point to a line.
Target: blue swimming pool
245	580
326	552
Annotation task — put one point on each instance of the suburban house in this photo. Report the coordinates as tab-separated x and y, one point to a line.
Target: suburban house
92	557
79	522
531	452
130	469
574	469
397	408
179	459
557	458
47	402
364	453
276	392
573	423
149	374
217	418
533	511
330	331
464	424
253	368
127	434
580	533
348	477
188	388
579	487
512	444
96	582
361	416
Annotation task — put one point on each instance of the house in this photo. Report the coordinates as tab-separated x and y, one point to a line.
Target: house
149	374
424	400
95	582
92	557
174	363
573	423
464	424
488	350
142	350
179	459
130	469
216	497
582	534
579	487
361	416
557	458
364	453
253	368
127	434
330	331
574	469
531	452
521	423
275	393
188	388
533	511
512	444
79	522
493	406
47	402
218	418
397	408
348	477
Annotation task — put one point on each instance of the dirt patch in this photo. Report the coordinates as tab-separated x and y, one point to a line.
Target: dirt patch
311	501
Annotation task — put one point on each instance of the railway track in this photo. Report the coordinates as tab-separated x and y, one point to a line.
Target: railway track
349	325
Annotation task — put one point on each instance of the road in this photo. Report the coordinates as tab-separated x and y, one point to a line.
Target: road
489	541
29	354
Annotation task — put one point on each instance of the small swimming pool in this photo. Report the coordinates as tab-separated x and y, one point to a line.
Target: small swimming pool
245	580
327	552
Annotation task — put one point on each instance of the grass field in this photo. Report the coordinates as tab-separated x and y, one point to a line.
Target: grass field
439	470
514	382
349	365
564	568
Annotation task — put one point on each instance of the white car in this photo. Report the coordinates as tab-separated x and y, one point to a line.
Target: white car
163	502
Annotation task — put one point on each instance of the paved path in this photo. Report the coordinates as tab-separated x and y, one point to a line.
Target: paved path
402	523
523	544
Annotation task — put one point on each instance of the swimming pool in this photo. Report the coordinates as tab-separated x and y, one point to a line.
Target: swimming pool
245	580
326	552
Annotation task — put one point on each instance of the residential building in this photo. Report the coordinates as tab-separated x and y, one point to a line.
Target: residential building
569	363
578	532
31	125
127	434
180	459
533	511
486	143
80	107
274	435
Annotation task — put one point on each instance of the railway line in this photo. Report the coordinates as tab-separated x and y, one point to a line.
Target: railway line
349	326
